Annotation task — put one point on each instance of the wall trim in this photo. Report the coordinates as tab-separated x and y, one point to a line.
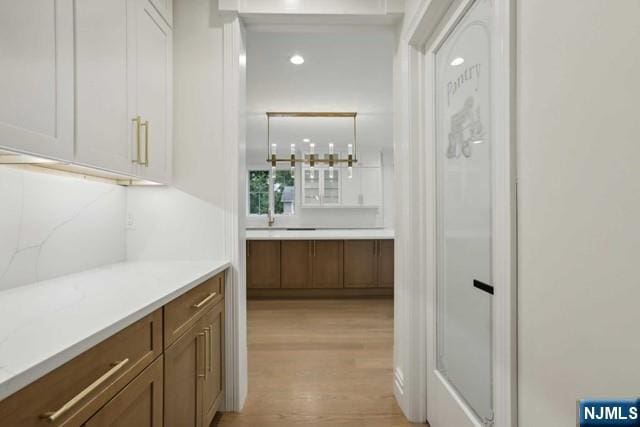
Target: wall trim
233	135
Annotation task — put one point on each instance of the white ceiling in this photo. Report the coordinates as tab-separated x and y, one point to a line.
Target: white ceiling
350	71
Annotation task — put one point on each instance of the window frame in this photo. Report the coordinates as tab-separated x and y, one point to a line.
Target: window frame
271	192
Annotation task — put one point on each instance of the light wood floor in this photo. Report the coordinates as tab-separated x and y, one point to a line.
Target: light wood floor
319	363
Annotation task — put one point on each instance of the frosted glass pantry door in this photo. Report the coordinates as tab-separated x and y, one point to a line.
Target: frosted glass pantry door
464	213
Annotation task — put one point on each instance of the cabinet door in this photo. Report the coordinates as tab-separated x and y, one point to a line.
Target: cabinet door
327	258
385	263
311	187
371	186
360	263
351	190
138	404
214	361
331	187
263	264
183	379
153	89
36	77
296	263
105	70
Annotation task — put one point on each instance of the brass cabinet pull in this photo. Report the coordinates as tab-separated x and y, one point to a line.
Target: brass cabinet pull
209	348
204	301
314	248
137	120
207	334
145	124
199	348
53	416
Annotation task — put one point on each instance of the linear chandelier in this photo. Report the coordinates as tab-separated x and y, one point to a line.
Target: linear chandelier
331	160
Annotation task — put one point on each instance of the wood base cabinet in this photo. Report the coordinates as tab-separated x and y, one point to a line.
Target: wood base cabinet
319	268
129	381
194	372
369	263
263	264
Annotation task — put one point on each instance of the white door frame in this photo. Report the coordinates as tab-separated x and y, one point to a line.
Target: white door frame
433	21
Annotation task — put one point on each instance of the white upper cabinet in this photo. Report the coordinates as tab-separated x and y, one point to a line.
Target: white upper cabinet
118	73
165	8
36	77
105	70
153	86
364	189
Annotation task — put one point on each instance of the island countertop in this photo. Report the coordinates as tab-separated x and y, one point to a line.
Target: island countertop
320	234
45	324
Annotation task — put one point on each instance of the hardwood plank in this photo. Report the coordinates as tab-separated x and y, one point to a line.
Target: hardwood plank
319	363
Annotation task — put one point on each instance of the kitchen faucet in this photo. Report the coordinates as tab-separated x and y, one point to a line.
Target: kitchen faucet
271	217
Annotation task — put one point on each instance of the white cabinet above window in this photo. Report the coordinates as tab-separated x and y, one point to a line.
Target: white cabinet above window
362	190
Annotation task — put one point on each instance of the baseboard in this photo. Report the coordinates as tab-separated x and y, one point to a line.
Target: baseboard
320	293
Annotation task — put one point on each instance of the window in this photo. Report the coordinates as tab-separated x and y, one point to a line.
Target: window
282	192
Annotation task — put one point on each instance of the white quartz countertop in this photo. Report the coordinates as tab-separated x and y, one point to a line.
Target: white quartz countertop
321	234
48	323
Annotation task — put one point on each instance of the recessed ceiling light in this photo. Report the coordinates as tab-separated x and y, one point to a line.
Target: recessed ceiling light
457	61
306	140
296	60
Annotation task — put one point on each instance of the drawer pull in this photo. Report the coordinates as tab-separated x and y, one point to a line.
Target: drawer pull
204	301
53	416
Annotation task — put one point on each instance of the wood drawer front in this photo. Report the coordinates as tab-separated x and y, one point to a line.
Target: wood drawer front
84	384
139	404
181	313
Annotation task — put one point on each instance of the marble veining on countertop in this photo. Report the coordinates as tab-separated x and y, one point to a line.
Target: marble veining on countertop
45	324
320	234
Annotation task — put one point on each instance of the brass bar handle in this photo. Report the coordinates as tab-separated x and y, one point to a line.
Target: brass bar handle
209	345
145	124
204	301
53	416
200	349
137	120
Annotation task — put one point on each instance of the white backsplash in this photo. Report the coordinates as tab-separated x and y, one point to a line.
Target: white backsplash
52	225
170	224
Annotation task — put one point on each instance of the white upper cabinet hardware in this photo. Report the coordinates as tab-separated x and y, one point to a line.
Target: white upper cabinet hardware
36	77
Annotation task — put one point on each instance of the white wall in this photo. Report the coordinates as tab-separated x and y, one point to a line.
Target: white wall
578	205
53	224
